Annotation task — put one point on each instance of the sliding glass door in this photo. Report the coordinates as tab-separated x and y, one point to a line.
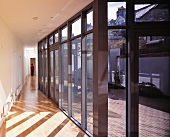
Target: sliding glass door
154	88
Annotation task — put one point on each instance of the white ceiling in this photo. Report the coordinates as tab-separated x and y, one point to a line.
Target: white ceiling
19	14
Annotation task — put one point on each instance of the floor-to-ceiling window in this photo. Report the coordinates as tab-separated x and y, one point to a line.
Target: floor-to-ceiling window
88	78
153	70
70	86
45	67
64	69
52	74
154	88
56	78
76	71
138	63
117	69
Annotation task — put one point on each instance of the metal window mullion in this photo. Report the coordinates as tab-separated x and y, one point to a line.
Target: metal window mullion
83	74
69	71
60	69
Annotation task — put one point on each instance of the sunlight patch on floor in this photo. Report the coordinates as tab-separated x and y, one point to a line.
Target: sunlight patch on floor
18	118
49	126
24	126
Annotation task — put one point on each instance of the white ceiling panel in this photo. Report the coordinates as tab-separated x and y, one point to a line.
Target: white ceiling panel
19	14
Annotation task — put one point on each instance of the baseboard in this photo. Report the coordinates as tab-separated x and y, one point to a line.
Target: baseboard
2	121
9	103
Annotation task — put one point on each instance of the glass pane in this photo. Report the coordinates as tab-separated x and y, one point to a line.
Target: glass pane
42	71
64	34
116	13
56	77
42	46
76	79
117	83
51	40
46	73
39	46
45	43
151	12
154	89
89	23
52	74
76	28
56	37
64	61
88	57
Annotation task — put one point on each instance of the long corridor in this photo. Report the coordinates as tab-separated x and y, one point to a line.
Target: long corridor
34	115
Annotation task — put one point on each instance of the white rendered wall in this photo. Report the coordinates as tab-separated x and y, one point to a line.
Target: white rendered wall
11	61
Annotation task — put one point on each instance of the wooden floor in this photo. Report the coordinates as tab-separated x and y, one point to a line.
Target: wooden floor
34	115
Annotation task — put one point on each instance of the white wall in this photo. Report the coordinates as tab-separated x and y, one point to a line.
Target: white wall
27	57
11	61
26	63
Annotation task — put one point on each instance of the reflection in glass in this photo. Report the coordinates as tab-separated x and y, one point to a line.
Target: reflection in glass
89	23
56	77
76	79
39	72
116	13
51	40
76	28
42	46
87	56
46	73
154	89
42	73
116	82
151	12
64	34
52	74
64	62
45	43
56	37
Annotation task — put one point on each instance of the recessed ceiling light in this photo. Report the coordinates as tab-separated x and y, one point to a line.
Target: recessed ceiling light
35	18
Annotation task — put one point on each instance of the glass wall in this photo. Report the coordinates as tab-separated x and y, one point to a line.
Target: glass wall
43	64
42	73
128	105
64	64
154	88
76	79
46	72
117	69
88	78
52	74
76	105
117	82
56	75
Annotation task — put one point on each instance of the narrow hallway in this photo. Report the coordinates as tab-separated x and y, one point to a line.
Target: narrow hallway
34	115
